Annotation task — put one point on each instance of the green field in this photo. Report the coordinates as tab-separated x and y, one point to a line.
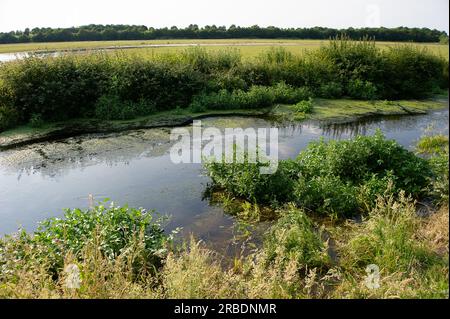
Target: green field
248	47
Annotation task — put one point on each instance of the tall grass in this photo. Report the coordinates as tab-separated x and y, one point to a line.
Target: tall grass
391	239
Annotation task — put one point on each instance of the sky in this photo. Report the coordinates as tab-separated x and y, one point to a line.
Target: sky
19	14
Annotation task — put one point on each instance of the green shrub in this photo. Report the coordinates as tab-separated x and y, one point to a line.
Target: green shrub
373	187
221	100
363	90
57	88
229	81
305	106
356	160
70	86
326	195
199	104
112	231
36	120
9	117
116	227
340	178
166	84
412	72
255	97
245	181
345	177
330	90
111	107
314	71
357	62
287	94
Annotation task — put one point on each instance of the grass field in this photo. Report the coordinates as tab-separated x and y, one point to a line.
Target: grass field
248	47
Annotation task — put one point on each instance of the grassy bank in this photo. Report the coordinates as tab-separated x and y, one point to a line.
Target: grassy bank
302	256
40	90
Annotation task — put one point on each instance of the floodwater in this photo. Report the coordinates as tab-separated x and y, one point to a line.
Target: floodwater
40	180
6	57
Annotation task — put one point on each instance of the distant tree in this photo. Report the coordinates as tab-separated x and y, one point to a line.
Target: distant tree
94	32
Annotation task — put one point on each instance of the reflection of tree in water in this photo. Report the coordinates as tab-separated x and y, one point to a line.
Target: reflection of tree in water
390	123
343	130
293	129
55	158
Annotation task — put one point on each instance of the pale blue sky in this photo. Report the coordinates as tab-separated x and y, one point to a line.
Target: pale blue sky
19	14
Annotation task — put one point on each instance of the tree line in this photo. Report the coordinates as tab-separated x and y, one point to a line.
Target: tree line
95	32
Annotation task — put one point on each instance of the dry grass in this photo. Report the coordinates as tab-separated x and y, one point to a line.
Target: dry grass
101	277
435	231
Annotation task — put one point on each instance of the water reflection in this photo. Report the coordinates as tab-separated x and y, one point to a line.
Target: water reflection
7	57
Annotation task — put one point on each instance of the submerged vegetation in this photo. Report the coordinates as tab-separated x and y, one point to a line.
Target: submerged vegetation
37	89
310	251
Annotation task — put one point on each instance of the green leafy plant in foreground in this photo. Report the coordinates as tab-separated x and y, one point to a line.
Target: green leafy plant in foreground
112	229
